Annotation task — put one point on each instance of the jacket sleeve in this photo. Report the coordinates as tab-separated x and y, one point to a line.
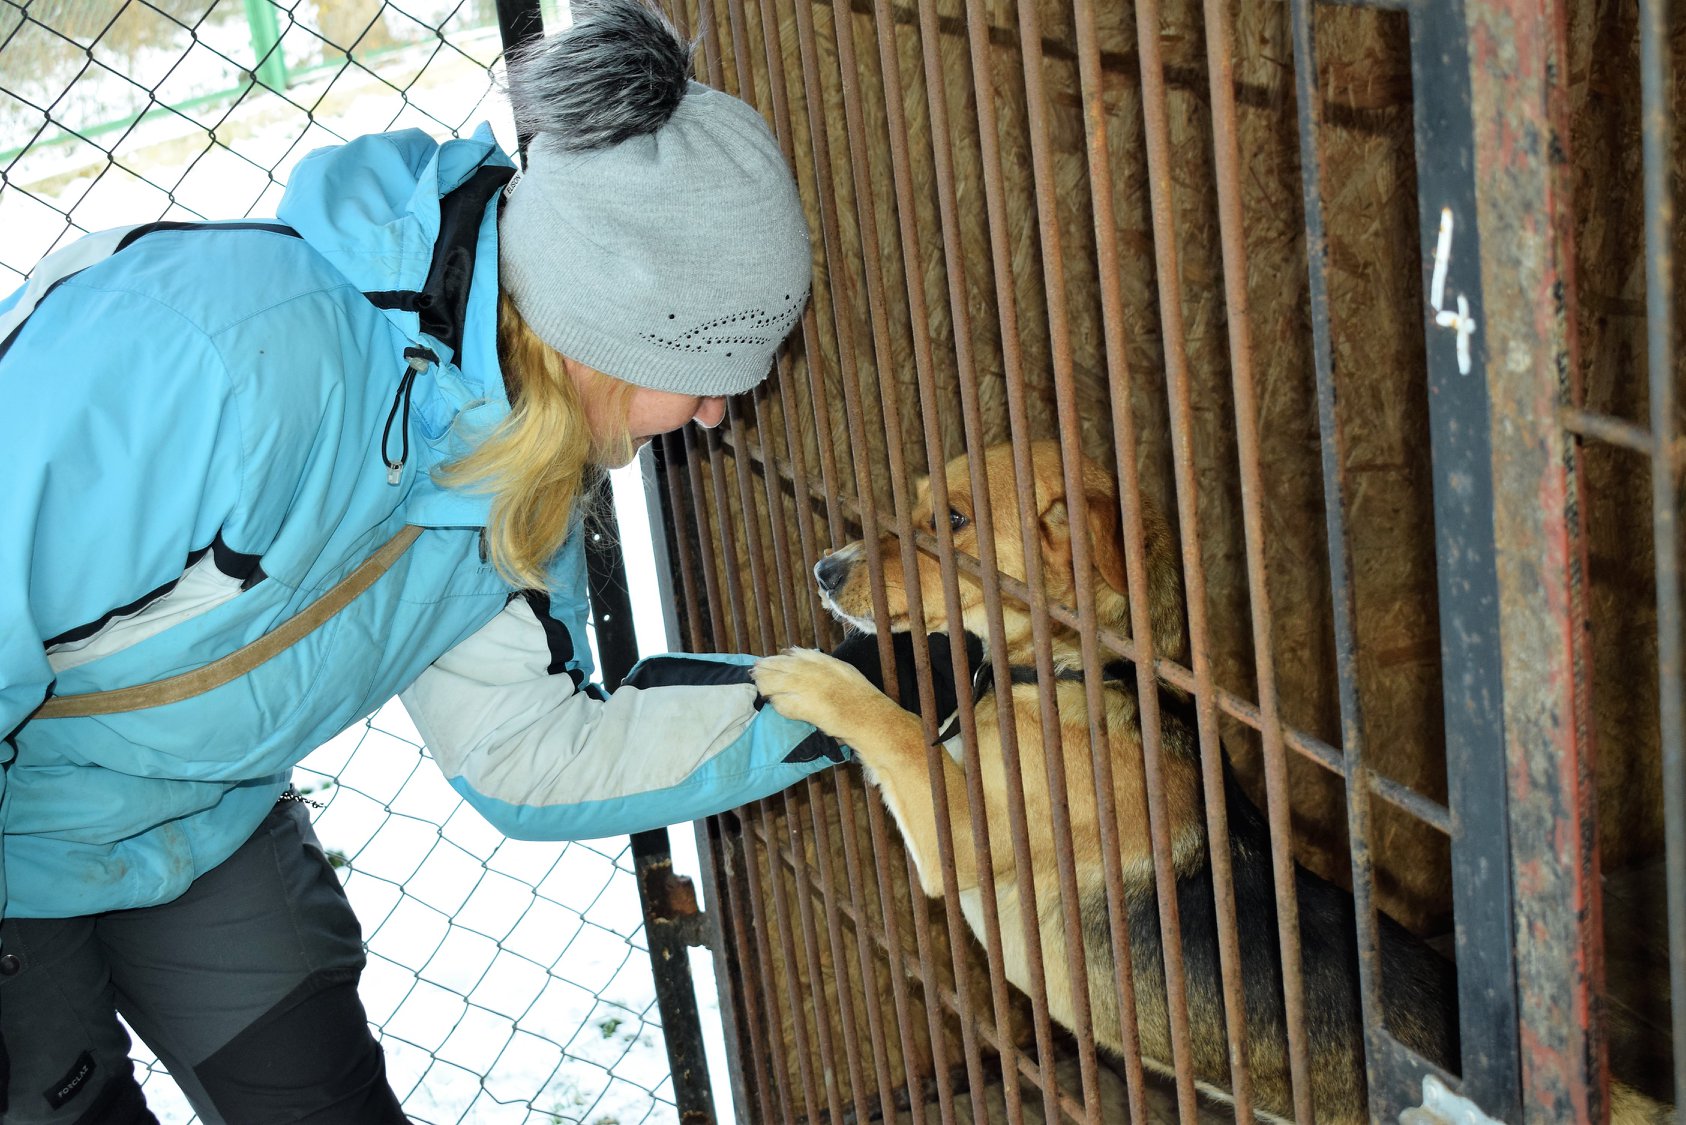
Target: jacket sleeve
544	755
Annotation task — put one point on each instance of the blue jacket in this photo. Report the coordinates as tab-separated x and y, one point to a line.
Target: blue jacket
195	453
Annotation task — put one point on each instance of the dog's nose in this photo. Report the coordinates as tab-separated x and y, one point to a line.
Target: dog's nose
830	573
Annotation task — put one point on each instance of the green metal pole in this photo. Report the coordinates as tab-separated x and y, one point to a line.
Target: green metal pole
271	69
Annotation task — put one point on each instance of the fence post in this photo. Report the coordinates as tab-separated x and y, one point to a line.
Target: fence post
672	922
1518	83
271	66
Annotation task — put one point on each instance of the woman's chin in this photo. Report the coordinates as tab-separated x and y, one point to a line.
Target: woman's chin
620	457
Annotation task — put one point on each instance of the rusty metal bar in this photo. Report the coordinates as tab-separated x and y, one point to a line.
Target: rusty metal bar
977	29
672	448
1053	282
909	964
767	915
866	213
1126	445
767	632
1012	1061
1602	427
805	873
1517	77
786	585
913	245
882	351
798	469
739	605
1161	195
728	892
1228	171
1657	124
1389	1086
847	793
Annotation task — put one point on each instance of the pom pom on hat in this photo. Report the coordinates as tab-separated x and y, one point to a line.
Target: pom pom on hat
656	234
617	72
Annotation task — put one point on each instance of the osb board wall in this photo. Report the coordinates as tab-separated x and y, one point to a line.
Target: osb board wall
848	403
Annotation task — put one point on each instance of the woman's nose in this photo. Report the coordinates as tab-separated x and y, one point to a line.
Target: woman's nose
710	413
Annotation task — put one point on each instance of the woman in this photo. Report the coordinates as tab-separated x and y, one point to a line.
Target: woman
213	425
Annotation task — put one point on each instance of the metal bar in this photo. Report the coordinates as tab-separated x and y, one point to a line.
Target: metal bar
866	212
1161	194
739	892
271	65
773	915
743	1008
1012	1061
847	793
1083	578
1226	163
977	33
672	924
1602	427
1515	68
854	409
1359	778
759	582
1657	123
1464	489
725	942
796	460
899	960
913	248
676	997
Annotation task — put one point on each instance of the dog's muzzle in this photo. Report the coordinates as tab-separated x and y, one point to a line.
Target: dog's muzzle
832	571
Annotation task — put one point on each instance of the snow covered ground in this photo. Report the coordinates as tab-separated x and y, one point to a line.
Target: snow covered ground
508	981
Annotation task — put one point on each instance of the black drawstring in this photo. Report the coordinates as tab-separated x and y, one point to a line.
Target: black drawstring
418	361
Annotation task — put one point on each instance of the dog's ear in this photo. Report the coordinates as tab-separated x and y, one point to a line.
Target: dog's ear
1105	541
1106	545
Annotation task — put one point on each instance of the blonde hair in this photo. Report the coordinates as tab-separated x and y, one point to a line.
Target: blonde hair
539	459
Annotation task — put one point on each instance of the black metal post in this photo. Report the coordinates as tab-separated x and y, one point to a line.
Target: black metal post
672	922
1461	443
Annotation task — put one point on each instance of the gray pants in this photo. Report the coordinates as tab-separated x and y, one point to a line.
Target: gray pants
245	987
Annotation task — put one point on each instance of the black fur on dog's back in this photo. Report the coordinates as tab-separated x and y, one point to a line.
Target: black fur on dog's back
1418	985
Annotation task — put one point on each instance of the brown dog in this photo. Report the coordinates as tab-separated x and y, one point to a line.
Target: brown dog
1419	986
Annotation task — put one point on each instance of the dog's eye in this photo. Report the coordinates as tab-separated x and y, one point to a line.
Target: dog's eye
956	520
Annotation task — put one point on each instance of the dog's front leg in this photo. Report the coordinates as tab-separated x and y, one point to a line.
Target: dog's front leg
810	686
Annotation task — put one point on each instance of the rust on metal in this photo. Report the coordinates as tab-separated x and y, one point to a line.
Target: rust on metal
1516	69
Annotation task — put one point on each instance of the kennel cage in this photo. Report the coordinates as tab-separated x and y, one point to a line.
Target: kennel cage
1375	300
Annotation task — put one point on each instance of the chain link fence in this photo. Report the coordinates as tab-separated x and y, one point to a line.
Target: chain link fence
508	981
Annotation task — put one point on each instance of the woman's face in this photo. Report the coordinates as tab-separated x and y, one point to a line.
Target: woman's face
648	412
657	412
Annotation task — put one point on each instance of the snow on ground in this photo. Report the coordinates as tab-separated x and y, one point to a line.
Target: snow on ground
508	981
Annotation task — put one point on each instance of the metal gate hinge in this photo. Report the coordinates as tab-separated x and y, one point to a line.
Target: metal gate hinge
1443	1107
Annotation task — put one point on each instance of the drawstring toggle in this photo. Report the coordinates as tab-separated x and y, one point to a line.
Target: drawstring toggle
417	360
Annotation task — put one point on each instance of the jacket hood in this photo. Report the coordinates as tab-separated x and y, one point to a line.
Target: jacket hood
371	207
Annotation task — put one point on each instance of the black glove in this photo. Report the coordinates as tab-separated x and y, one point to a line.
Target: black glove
861	652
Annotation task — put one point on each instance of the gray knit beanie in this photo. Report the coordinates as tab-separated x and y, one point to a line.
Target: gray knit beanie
656	234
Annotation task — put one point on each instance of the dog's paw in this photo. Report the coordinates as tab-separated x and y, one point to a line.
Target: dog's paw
807	685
